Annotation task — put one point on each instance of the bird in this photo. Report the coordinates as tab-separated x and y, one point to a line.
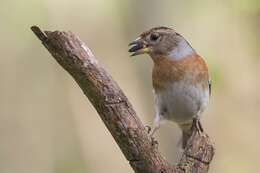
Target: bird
180	78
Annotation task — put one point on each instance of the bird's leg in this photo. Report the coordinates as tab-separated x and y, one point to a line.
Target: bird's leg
155	127
197	124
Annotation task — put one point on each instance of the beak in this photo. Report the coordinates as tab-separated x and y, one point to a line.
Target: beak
138	47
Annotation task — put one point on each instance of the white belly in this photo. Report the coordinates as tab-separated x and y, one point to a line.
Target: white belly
180	102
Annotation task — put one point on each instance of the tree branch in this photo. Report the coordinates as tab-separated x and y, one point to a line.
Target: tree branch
116	111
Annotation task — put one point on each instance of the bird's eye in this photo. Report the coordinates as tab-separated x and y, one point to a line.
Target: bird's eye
154	36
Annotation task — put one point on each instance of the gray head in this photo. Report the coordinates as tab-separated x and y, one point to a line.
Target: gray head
161	41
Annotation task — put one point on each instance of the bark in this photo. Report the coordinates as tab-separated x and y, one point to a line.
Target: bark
117	112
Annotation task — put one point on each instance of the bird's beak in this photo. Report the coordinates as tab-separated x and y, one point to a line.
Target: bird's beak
138	47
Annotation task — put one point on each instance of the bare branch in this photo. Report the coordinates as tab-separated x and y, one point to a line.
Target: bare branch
116	111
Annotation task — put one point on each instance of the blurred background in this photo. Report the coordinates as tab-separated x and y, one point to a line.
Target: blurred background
47	125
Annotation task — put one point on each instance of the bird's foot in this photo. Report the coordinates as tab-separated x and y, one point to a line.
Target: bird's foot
148	129
154	142
197	124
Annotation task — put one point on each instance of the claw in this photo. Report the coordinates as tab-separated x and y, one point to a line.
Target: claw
148	129
154	142
197	125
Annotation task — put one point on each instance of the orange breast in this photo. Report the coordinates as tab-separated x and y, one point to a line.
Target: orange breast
192	68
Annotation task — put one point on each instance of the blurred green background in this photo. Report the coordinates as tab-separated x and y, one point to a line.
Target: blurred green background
48	126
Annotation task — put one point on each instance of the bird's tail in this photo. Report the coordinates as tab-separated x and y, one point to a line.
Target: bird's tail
186	133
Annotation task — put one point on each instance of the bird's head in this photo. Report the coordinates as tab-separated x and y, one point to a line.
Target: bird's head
160	41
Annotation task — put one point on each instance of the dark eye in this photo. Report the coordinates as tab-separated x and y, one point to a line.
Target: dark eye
154	36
